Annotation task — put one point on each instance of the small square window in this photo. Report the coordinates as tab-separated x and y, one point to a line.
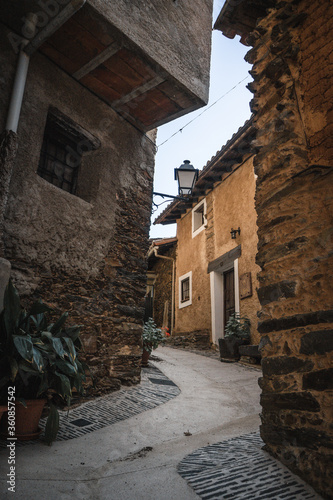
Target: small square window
185	284
199	218
57	164
64	144
185	290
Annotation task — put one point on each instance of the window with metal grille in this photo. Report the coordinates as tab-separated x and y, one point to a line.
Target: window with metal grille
64	145
58	165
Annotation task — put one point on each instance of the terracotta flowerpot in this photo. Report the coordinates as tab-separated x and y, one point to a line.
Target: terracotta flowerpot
26	420
145	357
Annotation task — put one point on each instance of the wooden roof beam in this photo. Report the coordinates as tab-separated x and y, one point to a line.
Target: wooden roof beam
142	89
103	56
168	221
201	189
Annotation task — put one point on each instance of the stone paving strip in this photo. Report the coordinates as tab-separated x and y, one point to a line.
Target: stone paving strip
239	469
155	389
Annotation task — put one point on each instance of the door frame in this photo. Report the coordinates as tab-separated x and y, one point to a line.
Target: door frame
217	297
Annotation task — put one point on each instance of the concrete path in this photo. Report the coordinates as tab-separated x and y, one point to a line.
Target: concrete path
137	458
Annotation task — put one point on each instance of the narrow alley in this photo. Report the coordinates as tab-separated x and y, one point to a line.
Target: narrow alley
195	402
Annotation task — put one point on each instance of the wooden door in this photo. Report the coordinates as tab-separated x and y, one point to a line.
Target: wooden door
149	306
229	295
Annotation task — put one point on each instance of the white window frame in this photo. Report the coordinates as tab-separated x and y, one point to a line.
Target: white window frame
181	279
204	224
217	300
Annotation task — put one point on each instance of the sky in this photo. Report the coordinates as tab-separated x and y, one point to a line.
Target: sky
203	138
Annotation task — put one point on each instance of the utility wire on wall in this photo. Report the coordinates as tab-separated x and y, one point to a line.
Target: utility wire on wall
204	111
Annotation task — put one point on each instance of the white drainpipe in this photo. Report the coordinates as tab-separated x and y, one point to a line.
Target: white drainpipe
17	92
27	49
19	82
172	285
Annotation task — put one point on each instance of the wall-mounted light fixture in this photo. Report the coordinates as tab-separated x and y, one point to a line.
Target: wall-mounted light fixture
186	175
234	232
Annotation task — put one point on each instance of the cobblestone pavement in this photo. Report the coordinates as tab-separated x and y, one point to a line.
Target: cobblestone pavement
154	390
239	469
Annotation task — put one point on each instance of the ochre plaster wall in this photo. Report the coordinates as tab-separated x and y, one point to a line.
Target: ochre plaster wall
229	205
233	208
191	256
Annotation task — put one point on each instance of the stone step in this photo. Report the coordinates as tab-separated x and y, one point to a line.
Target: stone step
250	350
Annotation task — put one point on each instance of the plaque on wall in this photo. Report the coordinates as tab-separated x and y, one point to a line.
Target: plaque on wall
245	285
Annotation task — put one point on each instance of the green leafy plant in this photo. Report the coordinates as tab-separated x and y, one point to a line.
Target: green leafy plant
237	327
38	357
152	336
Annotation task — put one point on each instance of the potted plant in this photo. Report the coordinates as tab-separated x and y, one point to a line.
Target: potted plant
151	338
38	364
237	332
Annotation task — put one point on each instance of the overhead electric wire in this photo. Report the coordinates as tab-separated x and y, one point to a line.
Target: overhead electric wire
204	111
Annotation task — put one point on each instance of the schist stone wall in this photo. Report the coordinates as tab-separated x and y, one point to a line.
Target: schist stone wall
293	93
163	287
83	253
79	240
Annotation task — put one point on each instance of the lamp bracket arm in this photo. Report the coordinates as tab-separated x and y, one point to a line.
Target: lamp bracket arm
170	196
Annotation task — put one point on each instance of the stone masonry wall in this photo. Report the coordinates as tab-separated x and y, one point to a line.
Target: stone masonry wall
8	147
163	287
292	71
110	306
82	254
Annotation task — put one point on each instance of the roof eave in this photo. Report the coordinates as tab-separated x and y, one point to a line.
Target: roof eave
219	162
240	18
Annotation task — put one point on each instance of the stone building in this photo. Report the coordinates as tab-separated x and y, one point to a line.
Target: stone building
216	273
161	282
90	81
292	105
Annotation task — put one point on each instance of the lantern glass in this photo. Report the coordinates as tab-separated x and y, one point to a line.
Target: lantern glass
186	175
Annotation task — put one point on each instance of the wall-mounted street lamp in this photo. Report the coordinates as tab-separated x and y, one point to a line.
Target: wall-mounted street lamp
234	232
186	175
